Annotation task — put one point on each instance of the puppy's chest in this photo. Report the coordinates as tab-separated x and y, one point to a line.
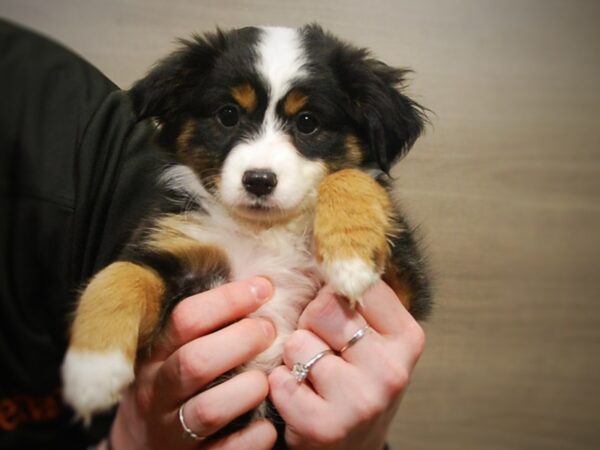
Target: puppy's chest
283	254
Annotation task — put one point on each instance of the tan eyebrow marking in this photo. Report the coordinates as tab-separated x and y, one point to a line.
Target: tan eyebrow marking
245	95
185	136
294	102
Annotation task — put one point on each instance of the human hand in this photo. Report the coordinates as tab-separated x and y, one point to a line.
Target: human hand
351	398
189	356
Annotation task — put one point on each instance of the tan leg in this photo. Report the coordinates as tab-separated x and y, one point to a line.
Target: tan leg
118	308
352	227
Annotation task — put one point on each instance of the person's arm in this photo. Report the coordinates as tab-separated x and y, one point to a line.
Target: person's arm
351	398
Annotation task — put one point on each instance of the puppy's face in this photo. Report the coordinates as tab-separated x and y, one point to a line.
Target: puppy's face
261	115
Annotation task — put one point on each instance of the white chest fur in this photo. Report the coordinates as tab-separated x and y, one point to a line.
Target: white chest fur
282	254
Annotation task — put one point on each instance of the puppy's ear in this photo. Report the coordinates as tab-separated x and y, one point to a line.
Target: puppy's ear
393	120
389	121
169	87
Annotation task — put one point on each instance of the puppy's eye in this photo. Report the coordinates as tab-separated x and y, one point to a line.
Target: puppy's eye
229	115
306	123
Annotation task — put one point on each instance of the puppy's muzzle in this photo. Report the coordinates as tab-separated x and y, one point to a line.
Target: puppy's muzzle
259	182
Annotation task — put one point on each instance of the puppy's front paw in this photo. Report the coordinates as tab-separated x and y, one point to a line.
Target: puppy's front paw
352	225
351	278
93	380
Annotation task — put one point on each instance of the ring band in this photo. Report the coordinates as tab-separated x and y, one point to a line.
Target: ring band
355	338
300	370
186	429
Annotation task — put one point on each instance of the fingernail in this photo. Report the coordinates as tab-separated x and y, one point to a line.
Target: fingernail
261	288
267	327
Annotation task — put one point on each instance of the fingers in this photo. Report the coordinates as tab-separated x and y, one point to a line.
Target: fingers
385	313
331	314
197	363
295	401
339	395
331	318
211	410
383	310
259	435
354	394
211	310
326	373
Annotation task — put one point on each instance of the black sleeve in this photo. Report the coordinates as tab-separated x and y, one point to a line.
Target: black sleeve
76	171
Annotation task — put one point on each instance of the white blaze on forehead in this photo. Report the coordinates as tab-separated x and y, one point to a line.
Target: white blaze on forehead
281	60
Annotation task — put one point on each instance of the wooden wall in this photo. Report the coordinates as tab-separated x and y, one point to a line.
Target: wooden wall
505	187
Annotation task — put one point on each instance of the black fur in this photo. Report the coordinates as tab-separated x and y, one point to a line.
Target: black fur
169	89
386	119
179	86
350	93
181	280
349	90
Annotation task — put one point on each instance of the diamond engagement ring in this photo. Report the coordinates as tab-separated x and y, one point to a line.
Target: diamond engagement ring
300	370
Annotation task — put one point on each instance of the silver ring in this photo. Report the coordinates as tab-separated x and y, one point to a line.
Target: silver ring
355	338
186	429
300	370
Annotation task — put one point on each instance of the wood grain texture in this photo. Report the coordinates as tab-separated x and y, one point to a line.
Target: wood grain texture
505	186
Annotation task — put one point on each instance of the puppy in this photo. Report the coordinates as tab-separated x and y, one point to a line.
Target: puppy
280	141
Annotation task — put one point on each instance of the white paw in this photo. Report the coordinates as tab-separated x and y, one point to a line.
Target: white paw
351	278
93	381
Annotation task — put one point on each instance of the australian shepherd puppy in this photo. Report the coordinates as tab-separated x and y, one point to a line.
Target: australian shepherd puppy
281	140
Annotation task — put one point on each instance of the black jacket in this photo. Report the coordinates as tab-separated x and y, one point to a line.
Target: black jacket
76	173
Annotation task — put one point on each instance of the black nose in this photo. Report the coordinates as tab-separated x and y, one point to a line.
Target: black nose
259	182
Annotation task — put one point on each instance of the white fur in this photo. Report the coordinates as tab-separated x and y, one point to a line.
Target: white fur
183	179
297	177
283	253
93	381
281	61
351	277
280	253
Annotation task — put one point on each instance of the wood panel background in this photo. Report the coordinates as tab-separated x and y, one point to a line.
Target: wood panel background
505	186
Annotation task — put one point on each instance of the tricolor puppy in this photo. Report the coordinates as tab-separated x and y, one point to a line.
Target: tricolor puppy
281	140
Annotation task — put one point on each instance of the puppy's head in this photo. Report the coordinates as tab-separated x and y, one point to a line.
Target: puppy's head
261	115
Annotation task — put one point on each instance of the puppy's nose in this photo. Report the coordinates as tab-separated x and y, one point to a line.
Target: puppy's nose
259	182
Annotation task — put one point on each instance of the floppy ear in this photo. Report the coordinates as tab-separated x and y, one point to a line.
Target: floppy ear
389	120
169	86
393	120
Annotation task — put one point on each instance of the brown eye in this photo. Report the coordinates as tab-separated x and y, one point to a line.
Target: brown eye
229	116
306	123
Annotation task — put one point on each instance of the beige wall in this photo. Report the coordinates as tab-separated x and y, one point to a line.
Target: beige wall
505	185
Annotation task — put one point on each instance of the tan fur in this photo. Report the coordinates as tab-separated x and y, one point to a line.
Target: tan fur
185	136
194	255
294	102
354	149
245	95
352	219
196	159
184	151
118	309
